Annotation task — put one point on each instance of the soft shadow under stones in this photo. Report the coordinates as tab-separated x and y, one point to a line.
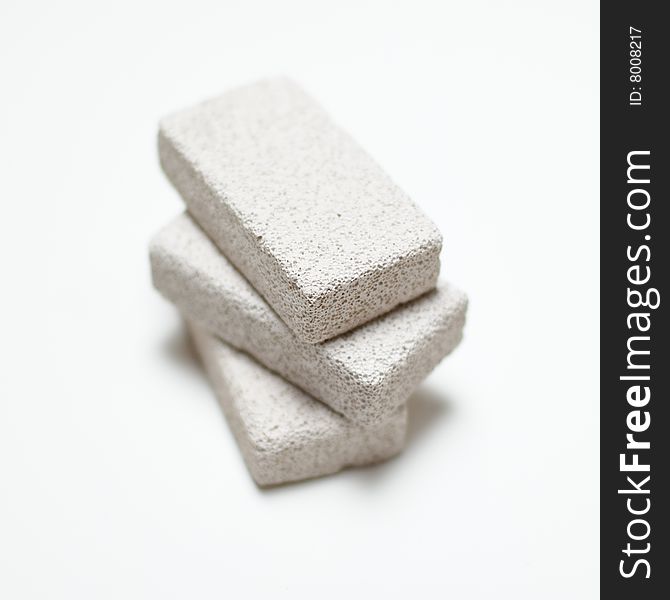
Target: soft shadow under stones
179	348
426	408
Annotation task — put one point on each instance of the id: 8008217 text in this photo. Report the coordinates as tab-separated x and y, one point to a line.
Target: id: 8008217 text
635	66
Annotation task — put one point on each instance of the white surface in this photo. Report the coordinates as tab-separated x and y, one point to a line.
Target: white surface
118	476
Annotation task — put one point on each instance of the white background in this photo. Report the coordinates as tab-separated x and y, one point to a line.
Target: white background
118	475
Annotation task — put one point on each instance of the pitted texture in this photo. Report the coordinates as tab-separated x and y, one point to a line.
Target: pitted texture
364	374
299	208
283	433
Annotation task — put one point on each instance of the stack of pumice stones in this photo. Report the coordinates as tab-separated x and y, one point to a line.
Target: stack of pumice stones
307	278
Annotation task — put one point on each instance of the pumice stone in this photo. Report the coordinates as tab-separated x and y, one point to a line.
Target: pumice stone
364	374
283	433
309	218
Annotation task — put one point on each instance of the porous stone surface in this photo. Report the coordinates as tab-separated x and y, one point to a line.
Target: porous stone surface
283	433
364	374
299	208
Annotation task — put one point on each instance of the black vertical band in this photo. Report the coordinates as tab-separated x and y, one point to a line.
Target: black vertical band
635	260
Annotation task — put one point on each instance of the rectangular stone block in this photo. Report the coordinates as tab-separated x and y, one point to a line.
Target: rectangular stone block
283	433
310	219
365	374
